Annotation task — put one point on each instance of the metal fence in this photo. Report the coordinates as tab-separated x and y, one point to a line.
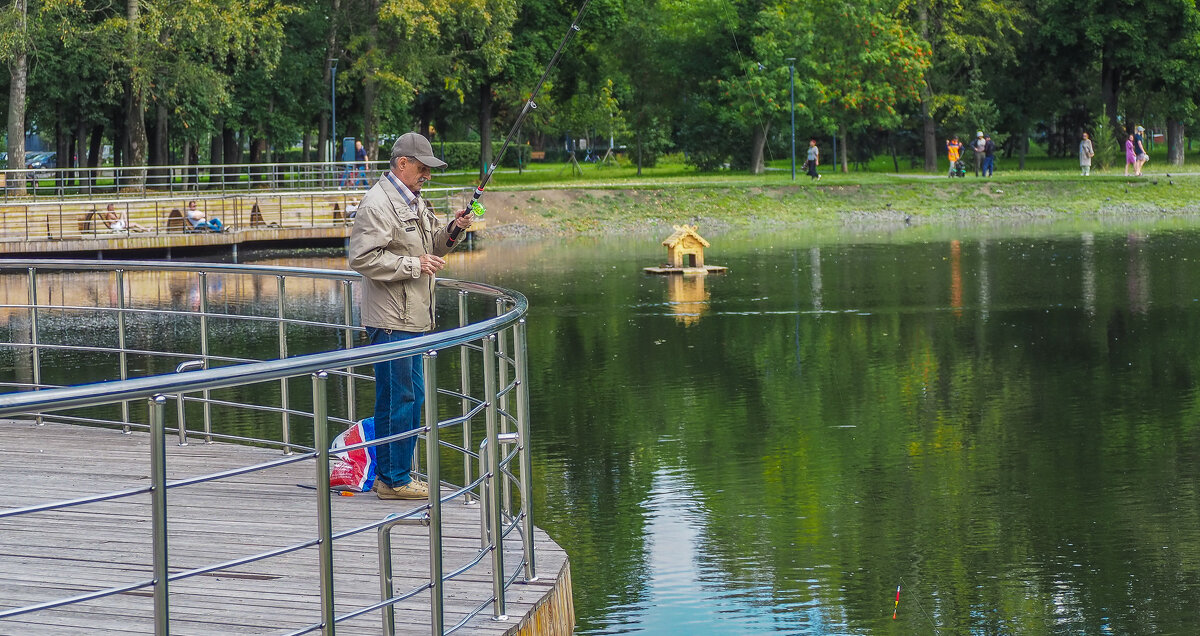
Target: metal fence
221	178
66	219
488	342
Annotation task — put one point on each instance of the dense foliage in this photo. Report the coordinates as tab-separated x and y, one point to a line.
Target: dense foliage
217	81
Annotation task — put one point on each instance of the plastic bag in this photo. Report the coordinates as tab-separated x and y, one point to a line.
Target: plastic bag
354	470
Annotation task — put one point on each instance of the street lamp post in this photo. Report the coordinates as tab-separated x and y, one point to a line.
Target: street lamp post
333	103
792	98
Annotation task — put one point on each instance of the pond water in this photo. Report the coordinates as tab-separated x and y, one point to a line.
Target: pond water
1004	424
1006	427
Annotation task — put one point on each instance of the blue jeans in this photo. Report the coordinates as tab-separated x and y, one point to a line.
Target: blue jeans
211	225
989	164
399	399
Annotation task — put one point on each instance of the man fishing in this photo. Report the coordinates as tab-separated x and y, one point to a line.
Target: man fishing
397	246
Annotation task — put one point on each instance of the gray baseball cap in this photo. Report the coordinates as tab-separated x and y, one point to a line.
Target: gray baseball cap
413	144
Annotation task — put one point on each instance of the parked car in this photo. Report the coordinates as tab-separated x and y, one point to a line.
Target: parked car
41	161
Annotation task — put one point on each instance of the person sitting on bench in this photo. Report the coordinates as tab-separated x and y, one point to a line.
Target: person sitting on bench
199	221
117	222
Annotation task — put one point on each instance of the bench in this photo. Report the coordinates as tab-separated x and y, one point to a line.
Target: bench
537	155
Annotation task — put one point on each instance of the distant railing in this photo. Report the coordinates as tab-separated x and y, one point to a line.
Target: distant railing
221	178
74	218
492	347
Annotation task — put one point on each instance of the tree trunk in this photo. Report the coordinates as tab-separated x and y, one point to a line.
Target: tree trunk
1022	148
161	150
79	154
120	137
62	148
18	73
639	150
136	113
305	155
757	163
929	126
95	147
258	151
1175	142
216	155
193	159
1110	90
485	127
230	150
845	149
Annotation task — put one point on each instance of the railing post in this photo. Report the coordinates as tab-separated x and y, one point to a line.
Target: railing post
525	452
121	306
433	448
493	477
33	336
324	505
464	355
203	282
158	513
505	485
283	383
348	334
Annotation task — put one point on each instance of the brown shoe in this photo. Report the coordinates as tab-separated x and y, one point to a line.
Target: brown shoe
412	490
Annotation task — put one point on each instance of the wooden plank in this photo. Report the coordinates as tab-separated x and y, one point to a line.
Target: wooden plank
61	553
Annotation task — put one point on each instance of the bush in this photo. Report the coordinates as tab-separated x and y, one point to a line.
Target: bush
1109	149
708	138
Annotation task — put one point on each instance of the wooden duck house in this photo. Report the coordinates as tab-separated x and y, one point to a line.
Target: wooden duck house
685	253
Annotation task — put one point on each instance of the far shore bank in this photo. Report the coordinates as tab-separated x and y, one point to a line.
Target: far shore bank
614	210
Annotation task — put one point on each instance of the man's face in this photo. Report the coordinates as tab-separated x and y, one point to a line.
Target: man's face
412	173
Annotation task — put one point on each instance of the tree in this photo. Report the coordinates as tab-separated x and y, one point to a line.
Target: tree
15	49
871	63
960	35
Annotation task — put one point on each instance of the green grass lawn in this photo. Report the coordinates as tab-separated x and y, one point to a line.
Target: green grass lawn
673	171
673	191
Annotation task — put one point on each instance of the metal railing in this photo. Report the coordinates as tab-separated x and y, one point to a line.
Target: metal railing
83	219
218	178
214	179
492	346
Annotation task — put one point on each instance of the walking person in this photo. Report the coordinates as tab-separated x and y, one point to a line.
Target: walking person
360	164
1086	152
1130	157
1139	151
397	246
978	146
989	156
813	159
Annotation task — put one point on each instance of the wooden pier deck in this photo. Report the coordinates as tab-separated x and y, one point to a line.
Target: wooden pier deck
283	219
63	553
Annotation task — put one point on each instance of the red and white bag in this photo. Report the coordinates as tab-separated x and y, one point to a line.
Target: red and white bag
354	470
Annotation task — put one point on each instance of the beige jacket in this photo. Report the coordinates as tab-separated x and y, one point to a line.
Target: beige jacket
386	242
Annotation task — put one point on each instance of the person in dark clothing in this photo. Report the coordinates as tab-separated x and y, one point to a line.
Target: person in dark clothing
989	156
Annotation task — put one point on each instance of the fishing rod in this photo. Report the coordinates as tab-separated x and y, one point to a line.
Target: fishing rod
475	207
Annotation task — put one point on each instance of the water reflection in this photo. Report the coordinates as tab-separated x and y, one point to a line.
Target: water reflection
1008	426
687	298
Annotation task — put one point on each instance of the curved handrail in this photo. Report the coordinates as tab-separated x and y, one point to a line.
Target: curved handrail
222	377
479	337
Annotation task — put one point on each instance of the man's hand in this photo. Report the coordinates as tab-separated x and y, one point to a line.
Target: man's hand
430	264
463	218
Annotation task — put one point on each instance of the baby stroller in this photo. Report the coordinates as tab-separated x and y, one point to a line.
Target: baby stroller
958	169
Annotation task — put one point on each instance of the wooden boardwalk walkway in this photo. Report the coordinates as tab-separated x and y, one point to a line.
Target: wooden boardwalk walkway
70	226
63	553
